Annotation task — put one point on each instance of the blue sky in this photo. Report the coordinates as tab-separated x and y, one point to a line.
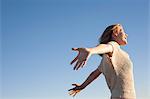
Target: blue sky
37	37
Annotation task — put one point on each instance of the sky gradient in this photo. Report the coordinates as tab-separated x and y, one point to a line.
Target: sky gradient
37	37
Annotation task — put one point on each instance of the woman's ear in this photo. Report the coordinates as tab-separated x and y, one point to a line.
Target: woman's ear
114	33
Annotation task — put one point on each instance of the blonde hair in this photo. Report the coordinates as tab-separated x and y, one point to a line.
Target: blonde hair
107	34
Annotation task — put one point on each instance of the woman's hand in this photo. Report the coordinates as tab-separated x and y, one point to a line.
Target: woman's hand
81	58
75	90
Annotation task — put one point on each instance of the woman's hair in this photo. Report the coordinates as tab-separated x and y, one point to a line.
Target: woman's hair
107	34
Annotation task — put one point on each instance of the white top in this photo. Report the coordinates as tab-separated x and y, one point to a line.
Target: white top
118	73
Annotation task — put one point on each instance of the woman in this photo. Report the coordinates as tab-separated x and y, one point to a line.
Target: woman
115	65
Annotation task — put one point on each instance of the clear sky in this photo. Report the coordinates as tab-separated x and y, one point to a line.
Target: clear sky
37	37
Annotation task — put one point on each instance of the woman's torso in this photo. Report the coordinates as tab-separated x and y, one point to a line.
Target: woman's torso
118	73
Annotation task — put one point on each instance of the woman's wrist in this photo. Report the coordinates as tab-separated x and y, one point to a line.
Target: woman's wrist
82	86
90	50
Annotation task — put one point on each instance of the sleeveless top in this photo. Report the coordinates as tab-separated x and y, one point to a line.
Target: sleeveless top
118	73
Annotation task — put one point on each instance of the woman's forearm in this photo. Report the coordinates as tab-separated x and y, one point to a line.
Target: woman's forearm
90	78
101	49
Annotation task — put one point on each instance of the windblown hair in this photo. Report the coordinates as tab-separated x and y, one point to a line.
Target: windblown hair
107	34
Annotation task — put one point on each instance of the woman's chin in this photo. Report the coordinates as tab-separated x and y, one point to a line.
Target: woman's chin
123	43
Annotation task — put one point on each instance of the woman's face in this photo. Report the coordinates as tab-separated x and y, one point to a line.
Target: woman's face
120	36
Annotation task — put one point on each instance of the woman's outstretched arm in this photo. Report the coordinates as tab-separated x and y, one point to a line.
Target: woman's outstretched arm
85	53
90	78
101	49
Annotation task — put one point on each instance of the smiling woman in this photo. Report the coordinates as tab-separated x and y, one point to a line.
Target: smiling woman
37	36
116	65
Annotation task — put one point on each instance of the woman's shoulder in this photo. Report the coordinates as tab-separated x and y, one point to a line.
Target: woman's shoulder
114	44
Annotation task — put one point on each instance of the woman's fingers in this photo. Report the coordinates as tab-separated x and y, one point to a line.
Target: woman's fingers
80	59
83	63
75	49
74	90
70	89
73	93
75	59
79	65
76	65
75	85
77	91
